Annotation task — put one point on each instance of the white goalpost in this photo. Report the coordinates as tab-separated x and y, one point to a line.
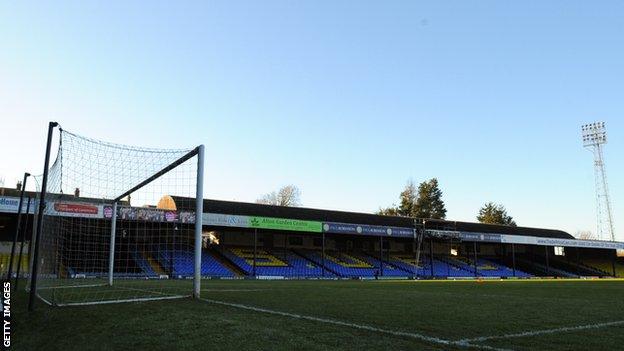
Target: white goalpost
117	223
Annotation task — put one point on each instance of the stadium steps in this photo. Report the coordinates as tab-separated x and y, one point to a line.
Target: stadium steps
156	267
389	263
221	258
317	263
572	267
605	266
466	267
602	271
542	270
605	271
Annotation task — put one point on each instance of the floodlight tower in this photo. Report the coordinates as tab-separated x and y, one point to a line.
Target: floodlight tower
594	137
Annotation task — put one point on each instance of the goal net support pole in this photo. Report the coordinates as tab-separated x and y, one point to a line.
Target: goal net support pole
199	210
36	239
111	257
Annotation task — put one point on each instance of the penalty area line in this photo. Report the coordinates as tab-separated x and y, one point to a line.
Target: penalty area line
431	339
544	331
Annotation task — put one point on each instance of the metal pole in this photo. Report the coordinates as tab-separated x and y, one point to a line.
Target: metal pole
578	261
171	249
421	236
17	228
381	256
31	244
19	260
415	271
255	251
448	258
613	256
547	263
513	259
199	211
474	247
323	254
44	185
431	256
388	245
111	251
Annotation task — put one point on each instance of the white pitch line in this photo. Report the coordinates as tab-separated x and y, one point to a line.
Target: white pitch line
422	337
145	299
69	286
544	331
232	290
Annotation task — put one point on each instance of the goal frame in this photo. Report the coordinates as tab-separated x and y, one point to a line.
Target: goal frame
199	203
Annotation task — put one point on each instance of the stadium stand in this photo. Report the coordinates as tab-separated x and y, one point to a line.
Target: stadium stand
354	265
441	268
539	269
143	263
183	263
281	263
485	268
4	263
604	266
577	268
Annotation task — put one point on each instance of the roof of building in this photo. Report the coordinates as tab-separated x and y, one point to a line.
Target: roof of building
302	213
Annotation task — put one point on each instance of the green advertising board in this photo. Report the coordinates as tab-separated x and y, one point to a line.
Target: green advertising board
285	224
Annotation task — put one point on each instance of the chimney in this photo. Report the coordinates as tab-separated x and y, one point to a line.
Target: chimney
19	185
77	192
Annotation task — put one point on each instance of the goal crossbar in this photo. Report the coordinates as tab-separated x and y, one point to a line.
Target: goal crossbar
156	175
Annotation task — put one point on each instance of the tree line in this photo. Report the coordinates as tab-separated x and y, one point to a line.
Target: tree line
425	201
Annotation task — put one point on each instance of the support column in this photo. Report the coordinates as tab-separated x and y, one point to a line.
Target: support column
172	251
415	246
111	251
419	236
381	256
255	251
547	263
613	258
431	257
323	253
513	259
474	248
578	261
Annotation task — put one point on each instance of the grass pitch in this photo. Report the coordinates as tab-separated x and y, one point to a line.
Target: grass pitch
341	315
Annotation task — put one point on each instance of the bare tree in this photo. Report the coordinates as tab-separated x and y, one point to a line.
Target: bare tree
585	235
288	195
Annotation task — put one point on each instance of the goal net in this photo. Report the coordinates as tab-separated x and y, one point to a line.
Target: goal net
119	223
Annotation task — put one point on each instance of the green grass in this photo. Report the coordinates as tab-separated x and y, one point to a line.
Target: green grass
445	310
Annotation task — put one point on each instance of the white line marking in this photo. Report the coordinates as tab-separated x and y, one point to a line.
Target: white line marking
141	290
232	290
121	301
545	331
44	300
69	286
430	339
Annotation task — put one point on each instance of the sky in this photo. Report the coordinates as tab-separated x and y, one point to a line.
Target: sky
347	100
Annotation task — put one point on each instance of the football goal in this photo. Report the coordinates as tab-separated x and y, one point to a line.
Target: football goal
116	223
